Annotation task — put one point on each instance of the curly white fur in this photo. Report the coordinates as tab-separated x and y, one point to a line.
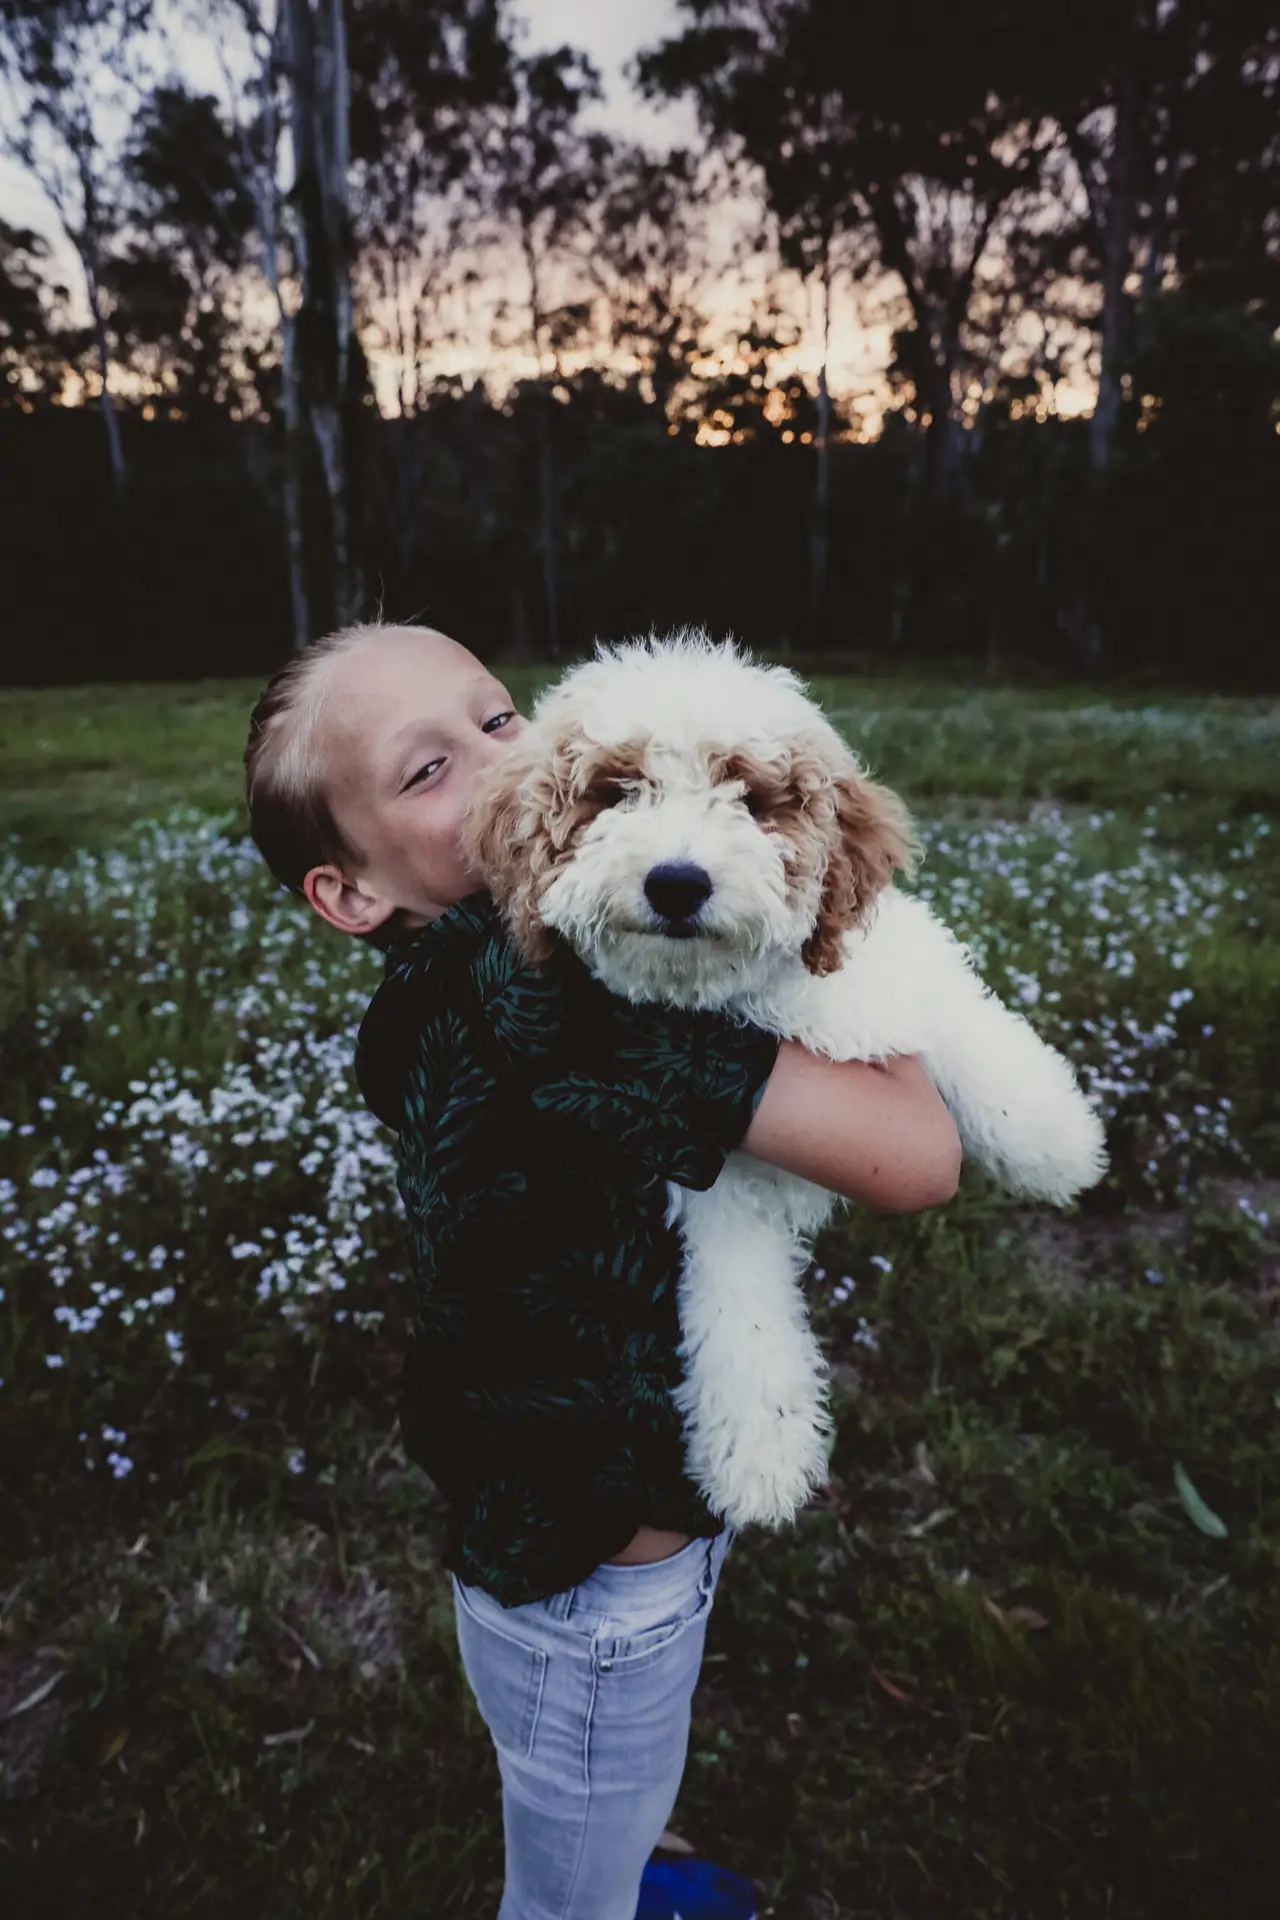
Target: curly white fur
669	736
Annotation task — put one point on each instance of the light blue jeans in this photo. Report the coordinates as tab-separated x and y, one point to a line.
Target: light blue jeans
587	1697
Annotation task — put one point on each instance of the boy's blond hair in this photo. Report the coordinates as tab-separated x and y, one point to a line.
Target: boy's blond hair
291	818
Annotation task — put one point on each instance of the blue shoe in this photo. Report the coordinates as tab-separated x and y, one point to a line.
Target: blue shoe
694	1890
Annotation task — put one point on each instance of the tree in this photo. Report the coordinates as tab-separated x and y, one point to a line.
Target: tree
650	258
543	172
314	44
178	280
909	124
29	362
252	88
1110	77
824	238
1216	224
71	65
1166	109
422	80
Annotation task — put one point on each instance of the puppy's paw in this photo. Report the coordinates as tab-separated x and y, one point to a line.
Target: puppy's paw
1061	1158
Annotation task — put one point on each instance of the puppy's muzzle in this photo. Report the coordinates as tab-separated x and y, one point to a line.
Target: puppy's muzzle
677	891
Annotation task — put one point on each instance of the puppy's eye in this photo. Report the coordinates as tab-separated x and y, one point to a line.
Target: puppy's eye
753	803
610	793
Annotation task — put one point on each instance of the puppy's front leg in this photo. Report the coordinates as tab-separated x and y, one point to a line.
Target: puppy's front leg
908	985
754	1396
1014	1098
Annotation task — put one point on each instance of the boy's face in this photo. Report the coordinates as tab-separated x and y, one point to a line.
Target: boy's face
411	719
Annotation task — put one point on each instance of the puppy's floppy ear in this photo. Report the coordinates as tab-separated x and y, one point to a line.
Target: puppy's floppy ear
523	816
873	836
507	833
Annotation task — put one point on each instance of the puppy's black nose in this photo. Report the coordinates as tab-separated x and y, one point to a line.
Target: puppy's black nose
676	889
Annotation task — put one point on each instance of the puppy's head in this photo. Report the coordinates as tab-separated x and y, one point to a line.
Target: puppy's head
680	815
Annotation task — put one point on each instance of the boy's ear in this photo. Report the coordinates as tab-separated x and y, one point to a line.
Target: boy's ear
343	902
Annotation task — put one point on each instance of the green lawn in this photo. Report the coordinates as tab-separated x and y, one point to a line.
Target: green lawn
1023	1662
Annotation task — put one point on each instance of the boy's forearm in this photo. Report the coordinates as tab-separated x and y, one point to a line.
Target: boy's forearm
879	1134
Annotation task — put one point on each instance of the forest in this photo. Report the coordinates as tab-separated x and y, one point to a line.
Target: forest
347	307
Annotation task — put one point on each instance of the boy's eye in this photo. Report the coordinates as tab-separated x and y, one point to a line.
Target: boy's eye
499	720
424	773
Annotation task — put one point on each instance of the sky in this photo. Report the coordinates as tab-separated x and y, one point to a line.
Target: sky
612	32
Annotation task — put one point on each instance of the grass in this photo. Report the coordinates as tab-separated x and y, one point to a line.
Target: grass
82	763
1000	1671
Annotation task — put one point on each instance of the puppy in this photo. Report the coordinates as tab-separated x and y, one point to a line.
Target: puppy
695	828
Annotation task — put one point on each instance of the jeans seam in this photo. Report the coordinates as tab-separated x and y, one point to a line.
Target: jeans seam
586	1805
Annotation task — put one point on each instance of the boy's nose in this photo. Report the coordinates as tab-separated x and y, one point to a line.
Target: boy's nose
676	889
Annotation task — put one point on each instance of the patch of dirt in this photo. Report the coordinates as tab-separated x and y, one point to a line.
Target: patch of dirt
222	1648
1071	1251
222	1644
319	1618
363	1621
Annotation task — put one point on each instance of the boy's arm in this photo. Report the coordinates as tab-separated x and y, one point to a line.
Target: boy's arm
875	1133
677	1091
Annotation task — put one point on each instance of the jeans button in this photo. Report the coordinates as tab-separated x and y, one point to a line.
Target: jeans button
606	1666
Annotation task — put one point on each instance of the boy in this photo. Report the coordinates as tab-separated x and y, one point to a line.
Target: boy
537	1385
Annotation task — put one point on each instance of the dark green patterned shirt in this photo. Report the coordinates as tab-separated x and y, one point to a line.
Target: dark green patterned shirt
539	1119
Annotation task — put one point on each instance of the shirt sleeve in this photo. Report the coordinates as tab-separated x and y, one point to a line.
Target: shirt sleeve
459	975
673	1090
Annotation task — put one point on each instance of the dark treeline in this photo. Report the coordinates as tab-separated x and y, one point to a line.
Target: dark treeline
233	429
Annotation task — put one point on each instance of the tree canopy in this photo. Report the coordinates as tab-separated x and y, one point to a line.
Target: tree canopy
382	276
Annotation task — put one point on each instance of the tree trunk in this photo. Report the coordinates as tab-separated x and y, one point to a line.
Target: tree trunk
291	490
86	245
547	539
1166	176
518	648
941	441
405	436
938	324
261	182
1116	237
819	547
319	121
115	447
546	450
